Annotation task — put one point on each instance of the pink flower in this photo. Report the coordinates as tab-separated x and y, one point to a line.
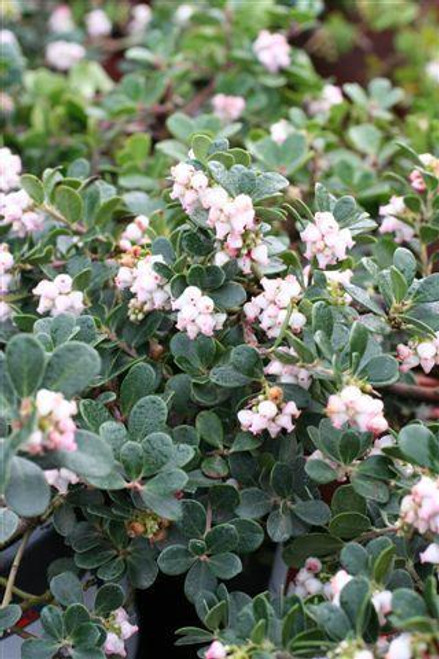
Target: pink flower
55	427
420	508
270	307
6	259
280	131
119	630
98	24
17	209
58	297
228	108
325	240
424	353
135	233
272	50
400	647
10	169
60	479
114	645
431	554
216	651
141	18
268	415
196	313
287	372
62	55
61	19
358	409
338	582
331	95
382	601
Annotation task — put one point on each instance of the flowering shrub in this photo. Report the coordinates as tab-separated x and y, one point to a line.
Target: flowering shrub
219	304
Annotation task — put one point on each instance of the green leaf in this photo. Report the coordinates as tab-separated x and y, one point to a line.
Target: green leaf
383	564
25	360
355	601
360	296
148	415
250	535
33	187
141	564
320	471
228	377
159	493
140	381
313	512
69	203
407	604
247	360
225	566
312	544
9	615
428	289
158	450
193	519
418	444
221	538
210	428
175	559
229	296
27	491
333	620
71	368
349	525
39	649
380	371
66	588
354	558
366	138
358	338
108	598
8	524
93	457
52	621
406	263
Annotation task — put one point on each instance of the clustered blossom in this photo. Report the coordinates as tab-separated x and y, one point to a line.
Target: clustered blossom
6	265
55	426
331	95
189	183
196	313
287	373
271	307
403	232
10	169
306	583
98	24
62	55
269	412
119	629
357	409
272	50
420	508
61	19
17	209
325	240
431	164
135	233
424	353
233	219
141	16
60	479
228	108
58	297
280	130
149	288
336	280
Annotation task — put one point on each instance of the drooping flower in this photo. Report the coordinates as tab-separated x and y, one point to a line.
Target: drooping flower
420	508
60	479
135	233
331	95
431	554
98	24
228	108
62	55
270	308
269	413
287	372
196	313
119	629
10	169
272	50
391	223
55	428
58	296
141	16
150	289
280	130
189	183
17	209
419	353
61	19
325	240
357	409
400	647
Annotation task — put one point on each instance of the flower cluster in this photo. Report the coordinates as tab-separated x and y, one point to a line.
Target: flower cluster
331	95
62	55
269	412
55	426
119	629
420	508
216	650
271	308
228	108
149	288
61	19
325	240
10	170
272	50
390	213
17	209
288	373
196	313
306	582
135	234
60	479
58	296
233	219
424	353
6	265
98	24
357	409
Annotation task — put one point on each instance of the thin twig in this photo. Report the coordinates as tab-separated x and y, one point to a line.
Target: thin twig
427	394
14	569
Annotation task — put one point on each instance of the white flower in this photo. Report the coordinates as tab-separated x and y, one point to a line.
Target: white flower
141	18
183	14
357	409
216	651
266	414
400	647
331	95
420	508
55	428
196	313
135	233
270	308
98	24
325	240
61	19
228	108
62	55
431	554
58	297
280	131
10	169
288	373
432	70
272	50
424	353
382	601
60	479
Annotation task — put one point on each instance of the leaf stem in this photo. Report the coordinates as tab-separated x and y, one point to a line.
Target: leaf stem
14	569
